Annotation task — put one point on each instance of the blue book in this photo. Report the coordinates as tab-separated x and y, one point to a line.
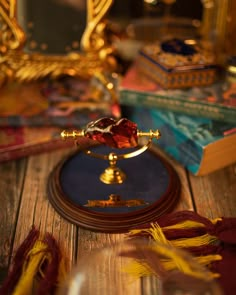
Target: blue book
200	144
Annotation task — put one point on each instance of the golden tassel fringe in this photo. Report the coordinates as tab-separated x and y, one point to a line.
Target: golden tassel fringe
30	268
172	260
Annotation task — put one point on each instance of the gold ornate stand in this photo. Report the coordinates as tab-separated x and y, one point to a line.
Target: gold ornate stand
135	192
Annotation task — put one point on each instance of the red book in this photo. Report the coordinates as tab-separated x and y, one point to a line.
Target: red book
20	142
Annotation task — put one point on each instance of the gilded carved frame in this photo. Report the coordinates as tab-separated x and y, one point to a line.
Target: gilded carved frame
15	64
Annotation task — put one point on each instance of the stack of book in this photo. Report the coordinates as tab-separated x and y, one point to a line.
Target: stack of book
198	124
32	115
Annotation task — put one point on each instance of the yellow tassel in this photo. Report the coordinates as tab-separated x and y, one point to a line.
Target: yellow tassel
194	242
155	231
174	260
184	225
170	259
137	270
30	268
187	224
215	220
157	234
207	260
177	262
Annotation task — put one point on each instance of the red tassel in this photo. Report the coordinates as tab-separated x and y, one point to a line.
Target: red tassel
10	282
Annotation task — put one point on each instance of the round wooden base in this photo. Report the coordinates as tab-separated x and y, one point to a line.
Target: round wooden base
75	181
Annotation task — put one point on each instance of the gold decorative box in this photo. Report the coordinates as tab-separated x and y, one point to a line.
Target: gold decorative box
178	63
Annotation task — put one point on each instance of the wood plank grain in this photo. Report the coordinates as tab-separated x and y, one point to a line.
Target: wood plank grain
215	194
35	208
150	285
11	182
89	241
92	247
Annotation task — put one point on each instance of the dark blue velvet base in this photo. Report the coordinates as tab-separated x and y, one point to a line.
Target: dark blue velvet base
147	179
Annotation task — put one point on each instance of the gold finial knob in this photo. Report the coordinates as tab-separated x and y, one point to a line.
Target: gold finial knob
152	134
72	134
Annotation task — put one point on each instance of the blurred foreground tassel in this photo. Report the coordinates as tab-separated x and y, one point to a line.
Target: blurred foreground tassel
162	256
37	267
211	242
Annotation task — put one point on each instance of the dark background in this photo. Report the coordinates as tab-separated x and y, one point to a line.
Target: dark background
56	28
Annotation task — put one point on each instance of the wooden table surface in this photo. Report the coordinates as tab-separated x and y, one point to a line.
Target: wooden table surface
24	203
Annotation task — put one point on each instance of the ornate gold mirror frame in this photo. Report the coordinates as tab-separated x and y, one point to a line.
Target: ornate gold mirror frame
15	64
